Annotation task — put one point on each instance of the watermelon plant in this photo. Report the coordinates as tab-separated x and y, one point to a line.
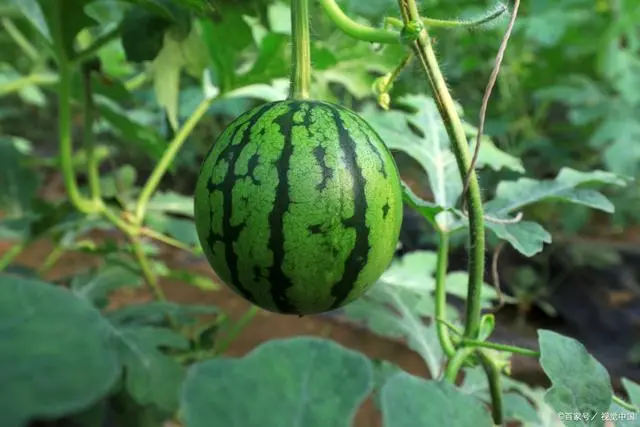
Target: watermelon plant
297	207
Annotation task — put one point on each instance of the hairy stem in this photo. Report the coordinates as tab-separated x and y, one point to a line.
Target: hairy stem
444	23
167	158
301	51
356	30
424	52
441	296
495	389
502	347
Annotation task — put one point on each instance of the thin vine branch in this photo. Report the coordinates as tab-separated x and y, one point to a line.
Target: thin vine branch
487	95
452	23
502	347
496	276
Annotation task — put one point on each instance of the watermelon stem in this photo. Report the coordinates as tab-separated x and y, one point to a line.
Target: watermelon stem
355	29
423	50
301	51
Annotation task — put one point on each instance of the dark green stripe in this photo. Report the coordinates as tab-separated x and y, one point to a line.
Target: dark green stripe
277	278
359	254
230	233
366	132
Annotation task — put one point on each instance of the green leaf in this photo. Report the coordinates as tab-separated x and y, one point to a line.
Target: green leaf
48	337
492	157
527	237
32	11
319	383
224	51
275	91
580	383
415	270
96	284
402	320
487	325
633	390
171	202
428	210
518	408
514	195
151	377
183	230
403	400
167	66
621	417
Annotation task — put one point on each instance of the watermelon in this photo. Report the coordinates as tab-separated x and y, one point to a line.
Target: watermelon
298	206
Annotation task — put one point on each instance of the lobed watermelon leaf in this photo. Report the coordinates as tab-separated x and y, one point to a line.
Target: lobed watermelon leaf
287	382
580	384
403	400
151	377
568	186
46	332
96	284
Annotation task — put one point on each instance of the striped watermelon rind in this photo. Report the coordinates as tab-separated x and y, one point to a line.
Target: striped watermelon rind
298	206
